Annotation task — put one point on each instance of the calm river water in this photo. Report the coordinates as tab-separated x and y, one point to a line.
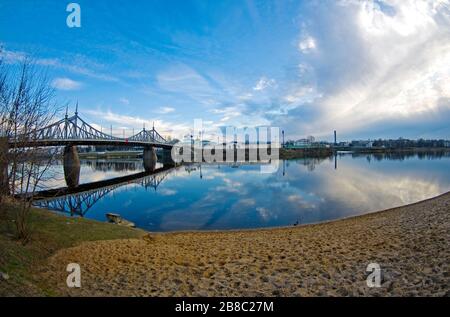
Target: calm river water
213	197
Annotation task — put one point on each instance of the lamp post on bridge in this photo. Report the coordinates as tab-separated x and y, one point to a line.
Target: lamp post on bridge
75	133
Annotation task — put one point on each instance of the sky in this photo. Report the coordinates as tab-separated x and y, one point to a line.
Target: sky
368	69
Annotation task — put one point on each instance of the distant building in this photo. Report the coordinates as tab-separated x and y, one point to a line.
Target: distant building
362	144
302	143
309	142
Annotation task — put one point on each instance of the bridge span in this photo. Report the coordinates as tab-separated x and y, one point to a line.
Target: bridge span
76	131
92	142
73	131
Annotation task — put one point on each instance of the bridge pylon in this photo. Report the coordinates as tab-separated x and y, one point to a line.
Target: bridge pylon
149	158
72	166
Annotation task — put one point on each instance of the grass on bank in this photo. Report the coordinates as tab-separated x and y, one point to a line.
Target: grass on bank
49	233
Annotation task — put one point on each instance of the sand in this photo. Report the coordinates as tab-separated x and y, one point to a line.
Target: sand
410	243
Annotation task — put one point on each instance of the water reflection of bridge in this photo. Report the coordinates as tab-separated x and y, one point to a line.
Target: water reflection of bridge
116	165
78	200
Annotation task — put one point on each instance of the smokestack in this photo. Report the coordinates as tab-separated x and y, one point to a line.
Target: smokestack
335	142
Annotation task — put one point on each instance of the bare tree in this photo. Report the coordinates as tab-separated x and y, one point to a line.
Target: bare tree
26	105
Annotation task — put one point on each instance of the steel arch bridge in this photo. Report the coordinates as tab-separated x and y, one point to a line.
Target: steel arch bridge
79	202
76	131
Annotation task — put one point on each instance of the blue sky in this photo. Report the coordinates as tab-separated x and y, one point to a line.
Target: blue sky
368	69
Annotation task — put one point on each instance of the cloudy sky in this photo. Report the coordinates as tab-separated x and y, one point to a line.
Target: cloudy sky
368	69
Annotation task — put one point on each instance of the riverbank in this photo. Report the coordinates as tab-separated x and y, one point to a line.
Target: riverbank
285	153
410	243
415	150
323	152
320	152
49	233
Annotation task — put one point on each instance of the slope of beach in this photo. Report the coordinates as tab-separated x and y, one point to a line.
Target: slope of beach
410	243
50	232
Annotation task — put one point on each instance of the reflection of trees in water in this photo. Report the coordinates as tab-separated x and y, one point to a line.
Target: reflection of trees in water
111	165
401	156
310	162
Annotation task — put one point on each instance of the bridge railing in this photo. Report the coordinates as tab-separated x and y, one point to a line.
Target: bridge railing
148	136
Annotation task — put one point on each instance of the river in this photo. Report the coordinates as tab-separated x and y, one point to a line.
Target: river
236	196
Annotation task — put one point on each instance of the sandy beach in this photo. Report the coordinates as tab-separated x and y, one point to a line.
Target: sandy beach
410	243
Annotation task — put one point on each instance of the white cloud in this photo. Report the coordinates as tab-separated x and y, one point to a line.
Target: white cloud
307	45
264	83
165	128
184	80
124	101
72	64
165	110
227	113
66	84
383	61
10	57
302	94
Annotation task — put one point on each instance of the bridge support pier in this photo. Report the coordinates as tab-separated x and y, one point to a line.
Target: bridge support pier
150	159
4	186
167	158
71	166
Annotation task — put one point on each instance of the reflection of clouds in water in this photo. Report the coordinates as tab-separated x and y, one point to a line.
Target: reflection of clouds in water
247	202
247	196
128	203
294	198
167	192
356	187
190	218
309	196
230	186
264	213
364	189
277	184
209	177
95	176
229	182
242	197
228	189
55	176
125	187
308	202
209	207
